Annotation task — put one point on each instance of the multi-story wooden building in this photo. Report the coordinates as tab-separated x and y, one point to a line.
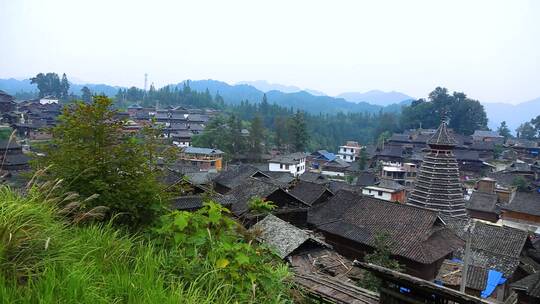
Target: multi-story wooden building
205	159
437	185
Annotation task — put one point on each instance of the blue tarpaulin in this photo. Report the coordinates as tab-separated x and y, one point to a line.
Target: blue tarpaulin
494	278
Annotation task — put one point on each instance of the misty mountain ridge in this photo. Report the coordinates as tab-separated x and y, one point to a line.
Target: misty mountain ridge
514	115
265	86
376	97
234	94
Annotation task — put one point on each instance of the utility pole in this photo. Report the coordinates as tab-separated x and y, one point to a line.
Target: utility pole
466	256
145	85
145	82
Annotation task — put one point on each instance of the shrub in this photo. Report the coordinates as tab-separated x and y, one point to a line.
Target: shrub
252	271
261	206
90	151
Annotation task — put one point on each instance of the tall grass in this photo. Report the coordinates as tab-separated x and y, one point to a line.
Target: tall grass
45	259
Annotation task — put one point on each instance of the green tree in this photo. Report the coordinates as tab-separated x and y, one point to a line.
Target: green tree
48	84
382	256
281	138
91	153
298	132
383	137
256	135
535	122
465	115
64	87
520	183
86	94
237	141
503	130
362	159
260	206
526	131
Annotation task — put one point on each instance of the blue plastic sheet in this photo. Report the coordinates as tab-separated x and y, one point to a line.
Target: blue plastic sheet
494	278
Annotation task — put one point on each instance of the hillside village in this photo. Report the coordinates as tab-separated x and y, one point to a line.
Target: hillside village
450	204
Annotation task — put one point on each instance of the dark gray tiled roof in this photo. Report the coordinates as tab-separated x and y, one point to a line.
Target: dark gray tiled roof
308	192
529	284
291	159
467	155
492	247
235	175
483	133
525	202
283	237
282	179
481	201
205	151
314	178
366	179
190	202
413	232
389	184
249	188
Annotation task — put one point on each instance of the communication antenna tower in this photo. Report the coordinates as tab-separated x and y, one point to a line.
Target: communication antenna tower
145	82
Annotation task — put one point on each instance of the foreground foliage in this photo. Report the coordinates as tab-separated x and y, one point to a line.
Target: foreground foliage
197	258
90	150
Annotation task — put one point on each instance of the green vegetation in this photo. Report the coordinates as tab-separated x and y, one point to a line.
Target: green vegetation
194	258
504	131
91	227
5	132
252	271
170	95
51	84
380	256
465	115
90	151
260	206
520	183
529	130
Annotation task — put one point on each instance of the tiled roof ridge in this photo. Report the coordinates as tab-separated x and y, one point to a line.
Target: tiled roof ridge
442	136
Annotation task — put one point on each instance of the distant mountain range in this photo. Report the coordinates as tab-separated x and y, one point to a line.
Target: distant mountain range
514	115
265	86
308	100
376	97
302	100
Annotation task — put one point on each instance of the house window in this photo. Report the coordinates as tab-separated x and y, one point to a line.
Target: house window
286	167
380	193
369	191
212	163
281	166
297	169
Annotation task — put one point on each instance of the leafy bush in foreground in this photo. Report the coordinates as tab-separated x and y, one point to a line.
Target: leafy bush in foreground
46	259
208	234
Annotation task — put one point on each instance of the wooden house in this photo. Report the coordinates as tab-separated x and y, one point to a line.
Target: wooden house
418	239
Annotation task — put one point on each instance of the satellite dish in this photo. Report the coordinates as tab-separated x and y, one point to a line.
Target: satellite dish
186	116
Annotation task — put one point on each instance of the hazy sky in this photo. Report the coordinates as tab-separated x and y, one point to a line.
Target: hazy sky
488	49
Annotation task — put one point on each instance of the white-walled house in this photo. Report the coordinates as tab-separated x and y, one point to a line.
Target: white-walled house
350	151
294	163
387	190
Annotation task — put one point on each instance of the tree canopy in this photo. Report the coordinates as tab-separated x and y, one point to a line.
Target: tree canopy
465	115
92	155
50	85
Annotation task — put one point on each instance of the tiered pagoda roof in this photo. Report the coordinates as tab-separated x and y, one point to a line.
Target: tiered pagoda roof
437	185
